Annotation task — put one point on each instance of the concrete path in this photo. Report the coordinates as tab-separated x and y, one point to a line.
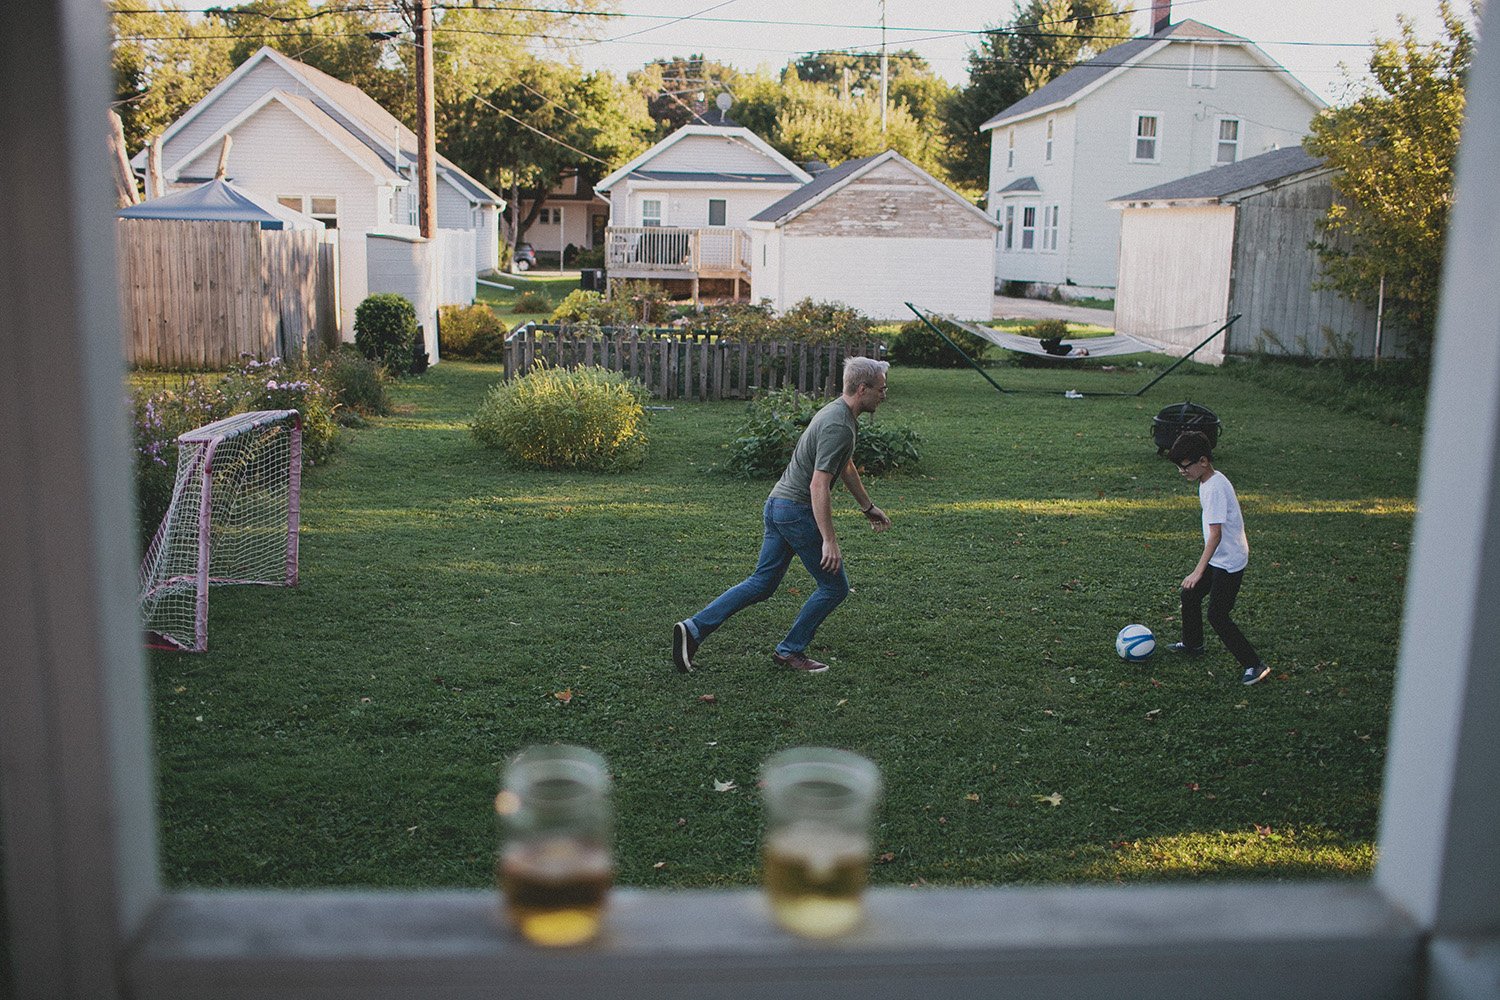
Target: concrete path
1008	308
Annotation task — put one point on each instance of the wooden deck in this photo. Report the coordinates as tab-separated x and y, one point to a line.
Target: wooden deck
660	253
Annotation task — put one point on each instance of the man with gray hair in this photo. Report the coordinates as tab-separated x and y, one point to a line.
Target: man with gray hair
799	521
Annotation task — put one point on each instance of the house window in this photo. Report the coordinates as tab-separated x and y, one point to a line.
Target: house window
1010	226
1051	126
292	201
716	208
1049	227
1203	64
1146	145
325	210
650	211
1010	151
1228	150
1028	227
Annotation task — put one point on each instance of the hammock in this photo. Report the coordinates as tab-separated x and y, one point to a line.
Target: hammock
1092	347
1097	347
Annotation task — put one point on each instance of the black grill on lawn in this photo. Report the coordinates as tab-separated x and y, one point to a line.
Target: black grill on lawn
1179	417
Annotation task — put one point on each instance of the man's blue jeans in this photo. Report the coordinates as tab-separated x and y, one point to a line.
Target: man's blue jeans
790	530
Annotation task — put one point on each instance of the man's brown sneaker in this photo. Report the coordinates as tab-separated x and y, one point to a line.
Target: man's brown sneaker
799	661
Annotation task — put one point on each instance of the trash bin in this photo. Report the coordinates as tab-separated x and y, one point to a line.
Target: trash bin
591	279
1173	420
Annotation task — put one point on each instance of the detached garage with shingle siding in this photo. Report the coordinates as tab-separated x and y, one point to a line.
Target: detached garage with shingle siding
876	233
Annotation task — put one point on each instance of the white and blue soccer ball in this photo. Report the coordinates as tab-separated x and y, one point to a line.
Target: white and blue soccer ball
1135	643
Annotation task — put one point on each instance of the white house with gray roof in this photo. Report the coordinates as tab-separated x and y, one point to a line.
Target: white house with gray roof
324	147
680	211
875	233
1235	241
1185	98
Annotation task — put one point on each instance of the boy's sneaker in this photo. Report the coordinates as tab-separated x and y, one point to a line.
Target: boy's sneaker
1255	674
799	661
683	647
1178	647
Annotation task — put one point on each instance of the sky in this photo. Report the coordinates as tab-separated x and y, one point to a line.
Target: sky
1309	37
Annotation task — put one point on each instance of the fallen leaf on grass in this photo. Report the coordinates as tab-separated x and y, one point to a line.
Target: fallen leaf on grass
1264	831
660	864
708	699
564	696
1192	786
1153	713
972	796
841	703
885	858
1054	800
723	786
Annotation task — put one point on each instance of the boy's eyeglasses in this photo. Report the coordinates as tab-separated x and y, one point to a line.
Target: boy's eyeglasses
1184	466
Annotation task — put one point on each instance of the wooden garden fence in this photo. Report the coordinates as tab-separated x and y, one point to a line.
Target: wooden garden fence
687	366
200	294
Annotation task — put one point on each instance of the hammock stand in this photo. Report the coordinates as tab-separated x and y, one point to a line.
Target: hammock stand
1096	346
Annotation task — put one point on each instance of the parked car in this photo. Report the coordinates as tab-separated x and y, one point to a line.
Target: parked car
524	258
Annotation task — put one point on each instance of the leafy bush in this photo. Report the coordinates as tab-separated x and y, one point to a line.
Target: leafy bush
808	322
532	301
642	303
470	332
276	385
159	417
918	346
775	421
358	385
592	307
551	418
1048	329
385	330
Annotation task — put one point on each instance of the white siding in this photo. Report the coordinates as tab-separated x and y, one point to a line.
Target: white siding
487	239
726	154
408	267
686	204
878	276
261	78
1174	276
258	162
1095	141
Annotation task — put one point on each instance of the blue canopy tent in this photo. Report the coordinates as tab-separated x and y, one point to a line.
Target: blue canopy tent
221	201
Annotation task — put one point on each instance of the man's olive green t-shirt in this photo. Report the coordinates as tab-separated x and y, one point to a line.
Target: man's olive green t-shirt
826	446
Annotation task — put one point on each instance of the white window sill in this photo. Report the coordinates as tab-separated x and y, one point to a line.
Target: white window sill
1329	941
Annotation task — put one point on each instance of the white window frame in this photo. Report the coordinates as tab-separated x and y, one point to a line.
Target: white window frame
724	203
1028	227
1220	142
1010	226
87	916
1010	149
1203	65
323	217
1051	136
1136	118
1050	215
661	216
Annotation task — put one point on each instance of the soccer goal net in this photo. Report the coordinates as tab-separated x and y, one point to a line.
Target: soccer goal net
233	519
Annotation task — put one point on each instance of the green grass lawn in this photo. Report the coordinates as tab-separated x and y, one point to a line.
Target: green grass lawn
555	287
451	610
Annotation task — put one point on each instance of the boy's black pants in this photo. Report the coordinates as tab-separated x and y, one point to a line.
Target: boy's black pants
1221	589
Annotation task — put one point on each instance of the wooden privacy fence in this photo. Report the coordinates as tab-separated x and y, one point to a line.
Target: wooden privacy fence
198	294
686	366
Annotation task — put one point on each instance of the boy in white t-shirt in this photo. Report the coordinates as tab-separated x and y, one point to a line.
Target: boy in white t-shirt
1221	568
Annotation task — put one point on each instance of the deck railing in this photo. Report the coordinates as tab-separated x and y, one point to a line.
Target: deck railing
717	251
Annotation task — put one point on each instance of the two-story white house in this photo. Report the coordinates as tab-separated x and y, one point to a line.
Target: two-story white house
1175	102
680	211
324	147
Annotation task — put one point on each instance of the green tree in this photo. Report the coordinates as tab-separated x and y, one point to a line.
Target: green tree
673	86
540	121
163	62
1043	40
1394	147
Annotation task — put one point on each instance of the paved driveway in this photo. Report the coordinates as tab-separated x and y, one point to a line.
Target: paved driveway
1008	308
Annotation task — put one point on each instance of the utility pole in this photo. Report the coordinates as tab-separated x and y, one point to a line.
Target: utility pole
883	68
426	123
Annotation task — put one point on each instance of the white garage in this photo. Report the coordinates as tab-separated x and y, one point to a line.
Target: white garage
876	233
